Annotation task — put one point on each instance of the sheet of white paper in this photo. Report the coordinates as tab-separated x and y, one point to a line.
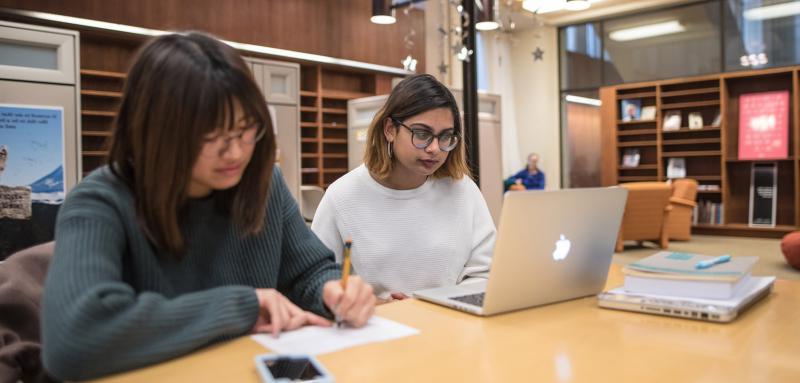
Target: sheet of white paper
320	340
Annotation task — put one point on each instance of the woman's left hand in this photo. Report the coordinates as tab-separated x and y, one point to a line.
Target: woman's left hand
355	304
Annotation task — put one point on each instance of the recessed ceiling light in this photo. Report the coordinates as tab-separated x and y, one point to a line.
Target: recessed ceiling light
773	11
576	5
646	31
583	100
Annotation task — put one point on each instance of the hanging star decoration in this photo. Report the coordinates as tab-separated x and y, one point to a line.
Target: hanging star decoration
442	68
538	54
410	64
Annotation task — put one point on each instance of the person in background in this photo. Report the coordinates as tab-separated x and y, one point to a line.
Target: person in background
416	218
189	235
530	178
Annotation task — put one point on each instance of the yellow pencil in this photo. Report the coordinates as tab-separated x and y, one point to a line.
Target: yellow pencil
345	273
346	262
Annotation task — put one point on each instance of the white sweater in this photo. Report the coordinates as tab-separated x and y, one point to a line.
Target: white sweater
438	234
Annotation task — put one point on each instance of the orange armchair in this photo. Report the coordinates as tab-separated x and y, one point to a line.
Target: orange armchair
683	201
646	214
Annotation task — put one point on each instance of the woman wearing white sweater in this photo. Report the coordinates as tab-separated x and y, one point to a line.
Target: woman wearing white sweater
416	218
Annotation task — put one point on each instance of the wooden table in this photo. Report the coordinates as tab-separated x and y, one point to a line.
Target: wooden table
570	341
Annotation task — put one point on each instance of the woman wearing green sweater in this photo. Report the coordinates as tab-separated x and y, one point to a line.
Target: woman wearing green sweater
190	235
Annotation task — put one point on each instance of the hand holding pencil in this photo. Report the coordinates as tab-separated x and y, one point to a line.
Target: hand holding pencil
349	298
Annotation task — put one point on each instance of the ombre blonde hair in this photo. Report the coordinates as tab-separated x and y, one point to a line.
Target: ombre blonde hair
412	96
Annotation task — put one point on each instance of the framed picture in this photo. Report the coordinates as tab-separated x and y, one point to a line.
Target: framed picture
676	168
672	120
630	158
695	120
649	112
630	109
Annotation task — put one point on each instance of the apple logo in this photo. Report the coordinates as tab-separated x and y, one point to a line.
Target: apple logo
562	248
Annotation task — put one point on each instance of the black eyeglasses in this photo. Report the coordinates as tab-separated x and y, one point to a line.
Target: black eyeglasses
216	145
422	136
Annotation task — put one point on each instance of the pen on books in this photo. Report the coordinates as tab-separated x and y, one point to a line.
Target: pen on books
711	262
345	274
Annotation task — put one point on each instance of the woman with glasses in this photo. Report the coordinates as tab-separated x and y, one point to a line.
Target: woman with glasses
416	218
189	235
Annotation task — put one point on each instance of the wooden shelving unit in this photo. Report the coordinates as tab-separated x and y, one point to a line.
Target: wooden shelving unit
710	152
101	92
323	119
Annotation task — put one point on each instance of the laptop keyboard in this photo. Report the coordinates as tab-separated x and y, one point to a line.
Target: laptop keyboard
472	299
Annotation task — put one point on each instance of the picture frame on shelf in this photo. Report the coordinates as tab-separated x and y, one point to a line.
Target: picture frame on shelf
695	120
648	113
672	121
630	110
676	168
630	158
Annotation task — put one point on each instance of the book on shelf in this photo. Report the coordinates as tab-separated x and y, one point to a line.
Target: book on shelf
695	120
717	120
764	125
675	274
672	120
648	113
630	158
708	213
676	168
630	109
708	187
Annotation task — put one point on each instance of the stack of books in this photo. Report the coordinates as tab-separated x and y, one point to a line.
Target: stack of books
687	285
676	274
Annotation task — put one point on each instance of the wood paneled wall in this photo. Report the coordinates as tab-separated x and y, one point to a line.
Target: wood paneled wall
584	138
337	28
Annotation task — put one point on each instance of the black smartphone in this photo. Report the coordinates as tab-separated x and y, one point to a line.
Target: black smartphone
291	368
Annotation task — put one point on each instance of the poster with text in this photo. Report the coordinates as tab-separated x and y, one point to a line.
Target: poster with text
31	174
764	125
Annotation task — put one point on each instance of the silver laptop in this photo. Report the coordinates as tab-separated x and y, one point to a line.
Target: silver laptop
712	310
551	246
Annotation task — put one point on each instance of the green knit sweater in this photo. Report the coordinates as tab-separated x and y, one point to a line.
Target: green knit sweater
111	303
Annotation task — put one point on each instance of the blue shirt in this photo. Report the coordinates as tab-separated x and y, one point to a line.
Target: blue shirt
531	181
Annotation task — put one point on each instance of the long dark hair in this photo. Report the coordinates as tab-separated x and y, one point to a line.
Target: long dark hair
412	96
181	87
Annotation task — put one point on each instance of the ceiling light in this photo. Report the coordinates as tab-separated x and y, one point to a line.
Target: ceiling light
382	13
487	16
583	100
773	11
548	6
532	5
646	31
487	25
576	5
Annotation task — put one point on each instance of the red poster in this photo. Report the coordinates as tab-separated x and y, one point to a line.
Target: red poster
764	125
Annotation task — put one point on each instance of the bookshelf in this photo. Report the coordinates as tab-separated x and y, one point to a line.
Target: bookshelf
324	93
709	150
101	93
